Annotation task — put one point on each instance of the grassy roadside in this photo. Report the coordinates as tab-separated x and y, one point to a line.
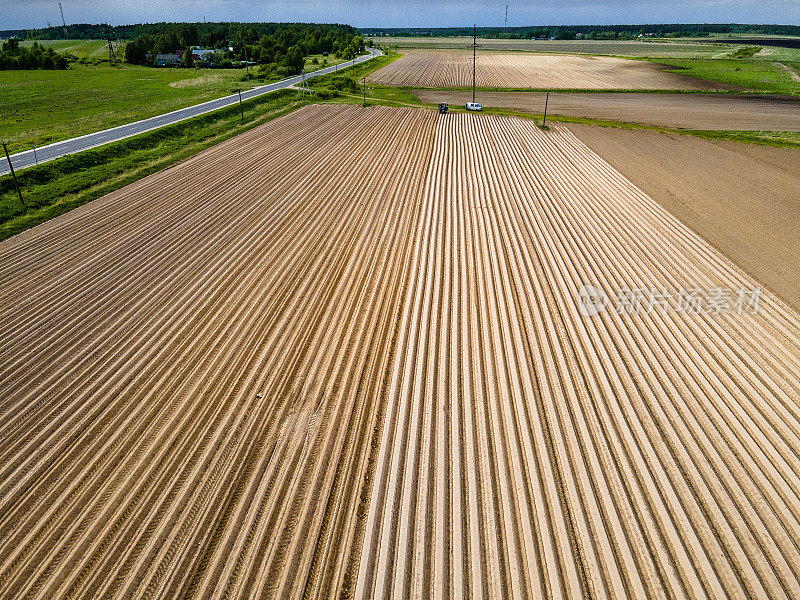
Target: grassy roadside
40	107
332	81
58	186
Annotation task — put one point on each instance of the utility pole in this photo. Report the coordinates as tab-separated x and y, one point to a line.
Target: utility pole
36	158
546	99
474	48
112	58
364	81
505	28
241	107
63	22
14	175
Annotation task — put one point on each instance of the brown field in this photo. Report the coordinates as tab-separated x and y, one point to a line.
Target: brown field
340	356
453	68
743	198
676	111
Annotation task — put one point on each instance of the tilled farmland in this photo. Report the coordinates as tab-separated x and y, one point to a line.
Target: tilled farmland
453	68
342	355
685	111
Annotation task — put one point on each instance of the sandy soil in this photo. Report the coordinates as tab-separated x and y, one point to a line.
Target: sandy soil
453	68
678	111
743	198
341	356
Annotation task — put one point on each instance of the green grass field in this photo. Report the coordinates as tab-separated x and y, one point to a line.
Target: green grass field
94	49
749	73
40	107
58	186
322	62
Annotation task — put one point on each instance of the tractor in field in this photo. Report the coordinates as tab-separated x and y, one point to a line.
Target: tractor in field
443	108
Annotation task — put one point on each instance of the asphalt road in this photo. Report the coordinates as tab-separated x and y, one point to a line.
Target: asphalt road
22	160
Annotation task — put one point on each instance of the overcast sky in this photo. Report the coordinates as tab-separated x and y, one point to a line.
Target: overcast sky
401	13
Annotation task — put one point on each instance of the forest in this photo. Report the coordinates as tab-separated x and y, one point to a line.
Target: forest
598	32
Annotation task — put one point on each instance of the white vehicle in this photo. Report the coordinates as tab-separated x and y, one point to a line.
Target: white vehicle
474	106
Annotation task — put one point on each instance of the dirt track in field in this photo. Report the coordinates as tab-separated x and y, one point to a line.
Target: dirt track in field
743	198
453	68
677	111
341	355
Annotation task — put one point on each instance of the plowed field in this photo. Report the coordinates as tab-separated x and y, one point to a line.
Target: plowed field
341	356
453	68
684	111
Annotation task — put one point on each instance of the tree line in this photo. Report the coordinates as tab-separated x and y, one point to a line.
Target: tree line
14	56
279	47
593	31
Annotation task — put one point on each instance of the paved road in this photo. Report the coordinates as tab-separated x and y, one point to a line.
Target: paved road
22	160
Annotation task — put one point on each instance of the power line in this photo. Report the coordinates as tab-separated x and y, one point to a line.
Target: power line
63	22
112	58
474	49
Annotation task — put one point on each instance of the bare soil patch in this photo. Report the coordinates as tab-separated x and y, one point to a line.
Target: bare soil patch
676	111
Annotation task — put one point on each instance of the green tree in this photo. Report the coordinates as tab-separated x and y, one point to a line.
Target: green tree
187	60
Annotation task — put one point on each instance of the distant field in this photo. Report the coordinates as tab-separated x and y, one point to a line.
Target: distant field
40	107
753	74
322	62
773	53
453	68
80	48
657	49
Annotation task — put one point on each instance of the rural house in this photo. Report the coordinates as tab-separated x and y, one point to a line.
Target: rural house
168	60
